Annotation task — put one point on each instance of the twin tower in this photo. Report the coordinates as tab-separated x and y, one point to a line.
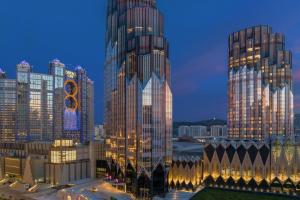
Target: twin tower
138	96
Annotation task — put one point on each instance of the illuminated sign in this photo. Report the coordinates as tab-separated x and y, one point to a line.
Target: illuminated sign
71	90
71	120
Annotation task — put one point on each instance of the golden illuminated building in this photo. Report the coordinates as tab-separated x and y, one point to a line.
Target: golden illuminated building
185	173
260	94
63	151
138	97
248	165
70	161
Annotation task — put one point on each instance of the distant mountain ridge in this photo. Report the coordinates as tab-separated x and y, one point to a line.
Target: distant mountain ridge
209	122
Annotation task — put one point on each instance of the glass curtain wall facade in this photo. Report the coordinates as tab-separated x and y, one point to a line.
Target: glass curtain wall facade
56	105
35	104
56	69
260	85
78	105
7	108
138	97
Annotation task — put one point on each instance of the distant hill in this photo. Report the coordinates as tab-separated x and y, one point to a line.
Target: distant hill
208	122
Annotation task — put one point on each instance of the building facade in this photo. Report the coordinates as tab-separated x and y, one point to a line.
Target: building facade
138	97
185	173
260	94
192	131
218	131
44	107
34	104
60	162
7	108
198	131
183	131
78	106
253	166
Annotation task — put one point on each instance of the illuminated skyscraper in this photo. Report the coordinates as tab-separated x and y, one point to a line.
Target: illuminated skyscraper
34	104
260	97
79	105
44	107
56	69
7	108
138	98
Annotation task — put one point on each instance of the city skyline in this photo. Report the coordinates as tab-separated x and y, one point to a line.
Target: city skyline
149	71
59	37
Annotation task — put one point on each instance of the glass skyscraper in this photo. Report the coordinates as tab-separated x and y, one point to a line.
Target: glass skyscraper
7	108
138	97
260	93
34	104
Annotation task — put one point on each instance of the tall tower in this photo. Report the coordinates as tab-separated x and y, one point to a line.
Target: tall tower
7	108
138	97
34	104
260	97
57	70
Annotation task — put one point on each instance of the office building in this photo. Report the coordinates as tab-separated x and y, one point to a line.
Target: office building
56	69
7	108
138	97
260	93
185	173
218	131
67	162
77	101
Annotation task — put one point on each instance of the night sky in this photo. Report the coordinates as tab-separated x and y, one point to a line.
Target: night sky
73	31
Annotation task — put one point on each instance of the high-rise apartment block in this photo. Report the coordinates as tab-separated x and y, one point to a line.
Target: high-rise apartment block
45	107
183	131
260	94
138	97
192	131
218	131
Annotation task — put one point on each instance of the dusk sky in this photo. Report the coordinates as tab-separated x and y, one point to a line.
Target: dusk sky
73	31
